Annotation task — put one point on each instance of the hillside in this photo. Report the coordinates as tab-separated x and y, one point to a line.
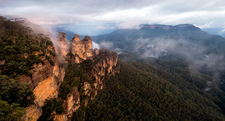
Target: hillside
45	79
142	92
183	55
162	45
22	54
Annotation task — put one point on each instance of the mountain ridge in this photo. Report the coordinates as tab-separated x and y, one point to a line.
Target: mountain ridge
138	41
168	27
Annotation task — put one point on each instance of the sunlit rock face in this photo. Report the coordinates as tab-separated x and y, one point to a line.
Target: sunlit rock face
61	117
45	89
48	88
72	102
32	114
40	71
81	49
47	78
45	81
104	65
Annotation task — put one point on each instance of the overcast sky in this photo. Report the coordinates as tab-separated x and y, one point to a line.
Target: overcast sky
111	14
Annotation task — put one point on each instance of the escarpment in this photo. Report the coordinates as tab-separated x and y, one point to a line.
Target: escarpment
75	78
49	80
86	74
45	79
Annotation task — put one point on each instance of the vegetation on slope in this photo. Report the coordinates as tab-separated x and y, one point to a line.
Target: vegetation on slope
134	94
14	97
51	106
17	46
10	112
205	81
17	42
75	76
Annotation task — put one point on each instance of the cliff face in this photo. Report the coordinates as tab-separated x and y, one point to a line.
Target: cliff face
40	71
63	44
81	49
46	79
48	88
99	66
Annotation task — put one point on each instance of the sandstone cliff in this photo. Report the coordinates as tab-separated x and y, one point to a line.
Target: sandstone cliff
45	81
42	70
81	49
99	65
48	80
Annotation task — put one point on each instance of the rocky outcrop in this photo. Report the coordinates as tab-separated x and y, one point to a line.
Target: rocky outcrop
45	81
2	62
109	63
32	113
61	117
72	102
81	49
63	44
46	89
47	78
40	71
87	88
103	66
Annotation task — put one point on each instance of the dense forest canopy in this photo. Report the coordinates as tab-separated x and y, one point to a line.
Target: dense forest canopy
142	92
17	44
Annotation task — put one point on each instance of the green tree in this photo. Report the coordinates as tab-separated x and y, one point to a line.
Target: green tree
14	92
10	112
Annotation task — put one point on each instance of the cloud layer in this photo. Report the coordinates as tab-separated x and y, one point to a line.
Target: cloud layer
124	13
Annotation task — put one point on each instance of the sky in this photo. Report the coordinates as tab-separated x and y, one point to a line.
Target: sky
99	16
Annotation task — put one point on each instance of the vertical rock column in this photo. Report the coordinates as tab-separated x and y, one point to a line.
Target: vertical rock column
62	46
81	49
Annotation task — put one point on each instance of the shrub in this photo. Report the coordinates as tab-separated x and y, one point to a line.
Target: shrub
10	112
14	92
53	105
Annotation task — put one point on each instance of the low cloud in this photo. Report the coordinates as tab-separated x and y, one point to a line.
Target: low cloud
195	54
95	45
131	24
223	31
107	45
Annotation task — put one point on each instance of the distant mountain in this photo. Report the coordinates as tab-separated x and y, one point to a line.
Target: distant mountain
69	34
127	38
168	27
218	31
166	46
181	42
